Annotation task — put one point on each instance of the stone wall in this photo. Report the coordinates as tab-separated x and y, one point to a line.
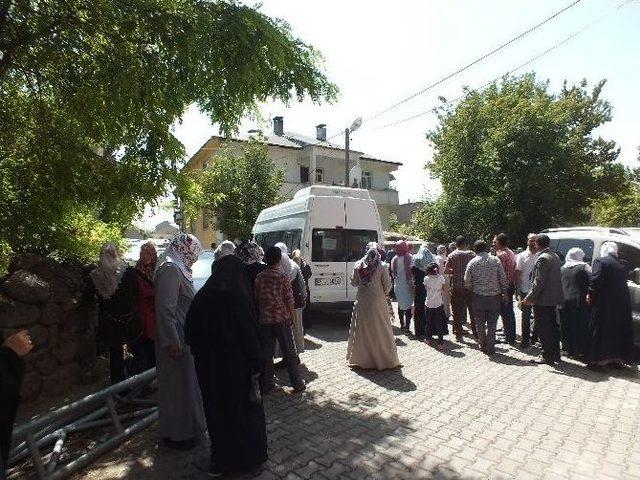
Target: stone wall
49	299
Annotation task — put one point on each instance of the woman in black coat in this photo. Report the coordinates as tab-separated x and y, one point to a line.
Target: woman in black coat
11	372
221	328
610	340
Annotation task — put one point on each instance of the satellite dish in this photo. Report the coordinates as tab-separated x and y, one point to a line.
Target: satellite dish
356	124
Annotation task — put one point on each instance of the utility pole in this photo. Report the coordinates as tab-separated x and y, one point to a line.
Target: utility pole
354	126
346	157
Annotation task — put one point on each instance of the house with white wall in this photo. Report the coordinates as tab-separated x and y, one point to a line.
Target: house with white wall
305	160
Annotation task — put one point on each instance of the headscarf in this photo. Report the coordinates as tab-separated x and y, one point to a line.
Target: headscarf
379	248
402	251
226	248
574	256
423	258
108	274
146	264
368	264
250	252
204	326
183	251
433	269
289	267
609	248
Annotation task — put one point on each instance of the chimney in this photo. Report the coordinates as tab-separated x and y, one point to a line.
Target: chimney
278	126
321	132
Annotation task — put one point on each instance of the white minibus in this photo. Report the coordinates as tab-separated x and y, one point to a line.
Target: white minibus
331	226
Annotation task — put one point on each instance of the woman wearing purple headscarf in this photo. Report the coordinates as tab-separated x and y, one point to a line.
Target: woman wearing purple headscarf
371	341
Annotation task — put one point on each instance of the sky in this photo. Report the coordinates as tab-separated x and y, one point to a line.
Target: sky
379	53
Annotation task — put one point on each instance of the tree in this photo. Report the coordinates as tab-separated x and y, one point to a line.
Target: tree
239	185
89	92
518	158
623	208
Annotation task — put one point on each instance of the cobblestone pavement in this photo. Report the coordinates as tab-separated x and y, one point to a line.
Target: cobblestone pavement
452	414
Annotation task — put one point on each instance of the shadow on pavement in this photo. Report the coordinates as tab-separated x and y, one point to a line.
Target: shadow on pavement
499	357
580	371
389	379
310	344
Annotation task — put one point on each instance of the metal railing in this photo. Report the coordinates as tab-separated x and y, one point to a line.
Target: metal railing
45	435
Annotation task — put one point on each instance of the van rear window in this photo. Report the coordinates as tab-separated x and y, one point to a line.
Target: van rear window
333	245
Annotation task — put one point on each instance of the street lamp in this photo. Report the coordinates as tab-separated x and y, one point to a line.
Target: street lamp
354	126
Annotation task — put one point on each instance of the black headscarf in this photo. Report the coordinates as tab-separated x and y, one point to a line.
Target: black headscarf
228	277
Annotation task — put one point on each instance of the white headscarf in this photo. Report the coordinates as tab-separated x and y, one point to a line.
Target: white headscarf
183	251
609	248
225	248
574	256
107	275
289	267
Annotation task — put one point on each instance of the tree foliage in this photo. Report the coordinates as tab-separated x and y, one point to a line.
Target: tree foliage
621	209
89	91
238	185
516	157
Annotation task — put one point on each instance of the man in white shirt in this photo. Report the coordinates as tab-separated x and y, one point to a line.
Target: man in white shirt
524	268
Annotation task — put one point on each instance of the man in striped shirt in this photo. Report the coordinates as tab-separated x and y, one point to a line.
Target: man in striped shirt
487	281
274	297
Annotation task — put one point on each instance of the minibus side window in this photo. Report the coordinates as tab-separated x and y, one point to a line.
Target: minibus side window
327	245
357	241
291	238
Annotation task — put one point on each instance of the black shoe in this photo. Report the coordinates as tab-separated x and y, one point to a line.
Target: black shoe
215	471
300	387
525	344
541	360
182	445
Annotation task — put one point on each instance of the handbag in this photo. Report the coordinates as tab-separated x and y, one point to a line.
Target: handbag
116	330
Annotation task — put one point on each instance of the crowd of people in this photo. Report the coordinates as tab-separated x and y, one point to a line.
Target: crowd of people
565	306
214	350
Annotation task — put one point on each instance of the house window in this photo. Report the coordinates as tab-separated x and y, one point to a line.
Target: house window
304	174
206	219
366	180
319	175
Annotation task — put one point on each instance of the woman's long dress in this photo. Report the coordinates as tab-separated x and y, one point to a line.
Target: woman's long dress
180	404
222	329
610	327
403	288
371	341
420	316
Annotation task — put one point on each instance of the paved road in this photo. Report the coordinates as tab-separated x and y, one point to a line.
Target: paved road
453	414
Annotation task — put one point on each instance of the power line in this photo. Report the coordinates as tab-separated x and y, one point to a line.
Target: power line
469	65
528	62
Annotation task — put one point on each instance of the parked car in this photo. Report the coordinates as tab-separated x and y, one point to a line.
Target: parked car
202	269
590	239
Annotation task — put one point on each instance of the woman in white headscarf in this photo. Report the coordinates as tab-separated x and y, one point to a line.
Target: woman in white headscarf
118	322
610	340
182	422
294	274
371	342
574	314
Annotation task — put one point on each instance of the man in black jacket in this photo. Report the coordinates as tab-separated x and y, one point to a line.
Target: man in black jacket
11	372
